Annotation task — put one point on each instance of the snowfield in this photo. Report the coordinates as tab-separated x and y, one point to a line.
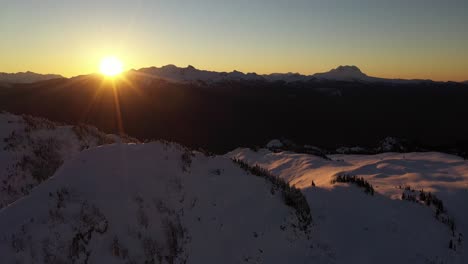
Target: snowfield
380	228
152	203
72	194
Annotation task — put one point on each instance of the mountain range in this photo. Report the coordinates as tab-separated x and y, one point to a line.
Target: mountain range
190	73
26	77
319	192
219	116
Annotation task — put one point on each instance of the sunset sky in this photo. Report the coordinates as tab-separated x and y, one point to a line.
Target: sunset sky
395	38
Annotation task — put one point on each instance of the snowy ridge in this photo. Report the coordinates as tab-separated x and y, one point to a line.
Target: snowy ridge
26	77
383	217
153	203
31	149
160	202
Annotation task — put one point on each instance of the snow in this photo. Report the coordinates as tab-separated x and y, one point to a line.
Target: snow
350	150
275	143
31	149
210	212
367	229
160	202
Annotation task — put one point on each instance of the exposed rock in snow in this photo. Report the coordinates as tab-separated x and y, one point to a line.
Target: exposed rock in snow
390	144
32	149
275	143
352	150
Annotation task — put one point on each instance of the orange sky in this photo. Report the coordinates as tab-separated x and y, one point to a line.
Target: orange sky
393	39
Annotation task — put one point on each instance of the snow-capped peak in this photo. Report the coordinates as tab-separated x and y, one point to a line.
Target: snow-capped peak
343	73
190	73
347	68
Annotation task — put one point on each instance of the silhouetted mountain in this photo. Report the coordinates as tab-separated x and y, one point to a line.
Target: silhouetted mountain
353	73
26	77
223	115
343	73
190	73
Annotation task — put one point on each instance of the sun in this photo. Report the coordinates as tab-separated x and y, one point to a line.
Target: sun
111	66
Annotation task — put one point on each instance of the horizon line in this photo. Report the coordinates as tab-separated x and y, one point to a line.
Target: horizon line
243	72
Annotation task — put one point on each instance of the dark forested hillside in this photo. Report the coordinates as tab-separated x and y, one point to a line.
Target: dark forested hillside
223	115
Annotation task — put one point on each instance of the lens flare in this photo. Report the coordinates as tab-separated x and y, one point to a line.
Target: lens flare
111	66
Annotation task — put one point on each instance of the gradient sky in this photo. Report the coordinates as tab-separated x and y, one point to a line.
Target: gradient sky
395	38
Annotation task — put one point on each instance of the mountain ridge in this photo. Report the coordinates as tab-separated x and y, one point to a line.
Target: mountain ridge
212	115
171	72
190	73
130	202
26	77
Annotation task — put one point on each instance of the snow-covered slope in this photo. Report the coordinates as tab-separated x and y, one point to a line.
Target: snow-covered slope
26	77
380	228
31	149
154	203
162	203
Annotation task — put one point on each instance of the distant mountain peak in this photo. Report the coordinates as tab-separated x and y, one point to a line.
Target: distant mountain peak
190	73
26	77
346	73
347	68
343	73
169	66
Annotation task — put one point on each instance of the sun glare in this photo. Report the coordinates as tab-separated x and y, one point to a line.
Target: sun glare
111	66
